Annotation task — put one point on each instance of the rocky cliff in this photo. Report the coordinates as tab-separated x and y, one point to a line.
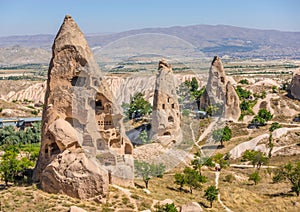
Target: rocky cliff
83	146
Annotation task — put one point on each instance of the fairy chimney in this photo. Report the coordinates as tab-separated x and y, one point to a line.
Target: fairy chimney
220	92
166	115
83	146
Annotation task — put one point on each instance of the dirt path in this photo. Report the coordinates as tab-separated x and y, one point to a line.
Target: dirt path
219	195
207	130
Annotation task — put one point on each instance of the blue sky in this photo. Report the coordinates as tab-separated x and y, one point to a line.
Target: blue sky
98	16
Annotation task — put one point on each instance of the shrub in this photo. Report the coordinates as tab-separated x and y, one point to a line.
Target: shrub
229	178
274	126
244	81
254	177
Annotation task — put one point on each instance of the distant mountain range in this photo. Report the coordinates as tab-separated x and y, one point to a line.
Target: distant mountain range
211	40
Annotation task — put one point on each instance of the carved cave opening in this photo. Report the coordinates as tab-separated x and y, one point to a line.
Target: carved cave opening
128	149
167	133
78	81
170	119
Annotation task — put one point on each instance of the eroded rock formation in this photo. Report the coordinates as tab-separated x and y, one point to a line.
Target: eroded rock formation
83	145
166	115
219	91
295	85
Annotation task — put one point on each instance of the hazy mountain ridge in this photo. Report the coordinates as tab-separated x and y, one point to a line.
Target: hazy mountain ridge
211	40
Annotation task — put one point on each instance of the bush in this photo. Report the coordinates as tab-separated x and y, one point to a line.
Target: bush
229	178
244	82
274	126
186	112
35	112
242	93
223	134
262	117
290	172
254	177
137	107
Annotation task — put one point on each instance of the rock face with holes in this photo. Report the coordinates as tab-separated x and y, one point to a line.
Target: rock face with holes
220	92
166	115
295	85
83	146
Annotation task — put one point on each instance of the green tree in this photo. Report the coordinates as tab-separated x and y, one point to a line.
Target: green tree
291	173
254	177
242	93
223	134
244	81
144	137
265	114
220	159
193	179
11	167
274	126
211	194
212	110
262	117
138	106
146	171
166	208
179	180
257	158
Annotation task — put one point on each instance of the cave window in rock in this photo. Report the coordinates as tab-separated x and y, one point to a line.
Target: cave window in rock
109	108
167	133
170	119
115	143
78	81
222	79
128	149
169	99
99	105
54	150
100	144
87	141
173	106
163	106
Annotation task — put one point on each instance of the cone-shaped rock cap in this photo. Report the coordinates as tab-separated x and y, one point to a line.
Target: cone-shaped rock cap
163	65
70	34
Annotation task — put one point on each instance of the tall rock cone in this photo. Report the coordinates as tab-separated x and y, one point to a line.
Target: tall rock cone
83	146
165	126
295	85
220	92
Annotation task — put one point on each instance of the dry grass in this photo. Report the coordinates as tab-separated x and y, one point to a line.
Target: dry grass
30	198
265	196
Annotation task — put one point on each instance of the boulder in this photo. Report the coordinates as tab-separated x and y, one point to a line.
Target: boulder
191	207
76	209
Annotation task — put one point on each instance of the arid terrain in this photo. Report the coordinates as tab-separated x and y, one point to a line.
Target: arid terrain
162	126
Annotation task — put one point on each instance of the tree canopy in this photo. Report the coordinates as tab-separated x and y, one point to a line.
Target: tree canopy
221	135
291	173
137	107
146	171
211	194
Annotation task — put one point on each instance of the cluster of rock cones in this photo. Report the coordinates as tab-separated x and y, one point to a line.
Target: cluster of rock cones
84	146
